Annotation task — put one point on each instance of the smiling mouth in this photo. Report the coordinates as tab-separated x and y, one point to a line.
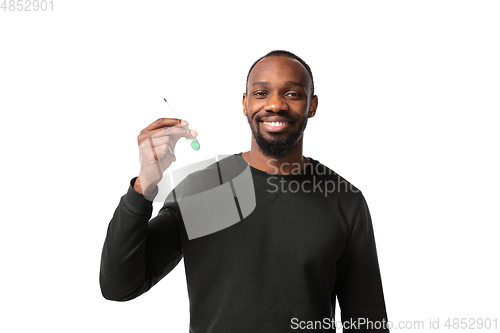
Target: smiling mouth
275	126
275	123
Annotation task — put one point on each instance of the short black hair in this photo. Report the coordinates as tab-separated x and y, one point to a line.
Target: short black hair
282	53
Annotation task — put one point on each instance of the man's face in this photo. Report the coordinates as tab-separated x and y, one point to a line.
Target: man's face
277	105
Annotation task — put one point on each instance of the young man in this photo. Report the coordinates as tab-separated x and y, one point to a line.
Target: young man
306	240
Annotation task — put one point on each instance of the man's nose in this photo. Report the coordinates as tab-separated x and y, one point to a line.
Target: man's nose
275	103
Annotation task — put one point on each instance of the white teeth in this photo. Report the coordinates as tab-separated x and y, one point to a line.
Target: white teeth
274	123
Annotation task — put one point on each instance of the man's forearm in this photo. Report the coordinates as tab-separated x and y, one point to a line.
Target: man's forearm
123	263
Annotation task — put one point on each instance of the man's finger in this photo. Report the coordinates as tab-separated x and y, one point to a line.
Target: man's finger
163	122
156	142
153	148
174	131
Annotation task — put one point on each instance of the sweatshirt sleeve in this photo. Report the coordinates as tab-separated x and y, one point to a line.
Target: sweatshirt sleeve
138	252
358	284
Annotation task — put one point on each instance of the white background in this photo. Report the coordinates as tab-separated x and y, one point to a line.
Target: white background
408	112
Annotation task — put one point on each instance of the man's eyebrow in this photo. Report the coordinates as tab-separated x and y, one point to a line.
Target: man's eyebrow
293	83
260	83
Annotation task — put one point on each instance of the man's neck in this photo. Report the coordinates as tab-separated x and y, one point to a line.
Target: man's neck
292	163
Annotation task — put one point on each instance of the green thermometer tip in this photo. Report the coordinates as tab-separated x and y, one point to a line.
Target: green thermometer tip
195	145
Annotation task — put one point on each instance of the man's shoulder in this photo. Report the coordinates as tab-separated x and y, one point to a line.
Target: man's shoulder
319	169
332	181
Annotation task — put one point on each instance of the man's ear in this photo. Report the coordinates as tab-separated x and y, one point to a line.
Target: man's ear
244	104
313	106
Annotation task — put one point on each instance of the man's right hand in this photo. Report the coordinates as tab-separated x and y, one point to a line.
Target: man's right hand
156	150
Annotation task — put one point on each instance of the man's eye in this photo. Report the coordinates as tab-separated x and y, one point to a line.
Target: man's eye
259	93
293	94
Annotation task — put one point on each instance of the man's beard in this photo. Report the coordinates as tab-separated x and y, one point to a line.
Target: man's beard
278	148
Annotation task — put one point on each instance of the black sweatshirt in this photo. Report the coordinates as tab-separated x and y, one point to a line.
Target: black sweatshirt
308	240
